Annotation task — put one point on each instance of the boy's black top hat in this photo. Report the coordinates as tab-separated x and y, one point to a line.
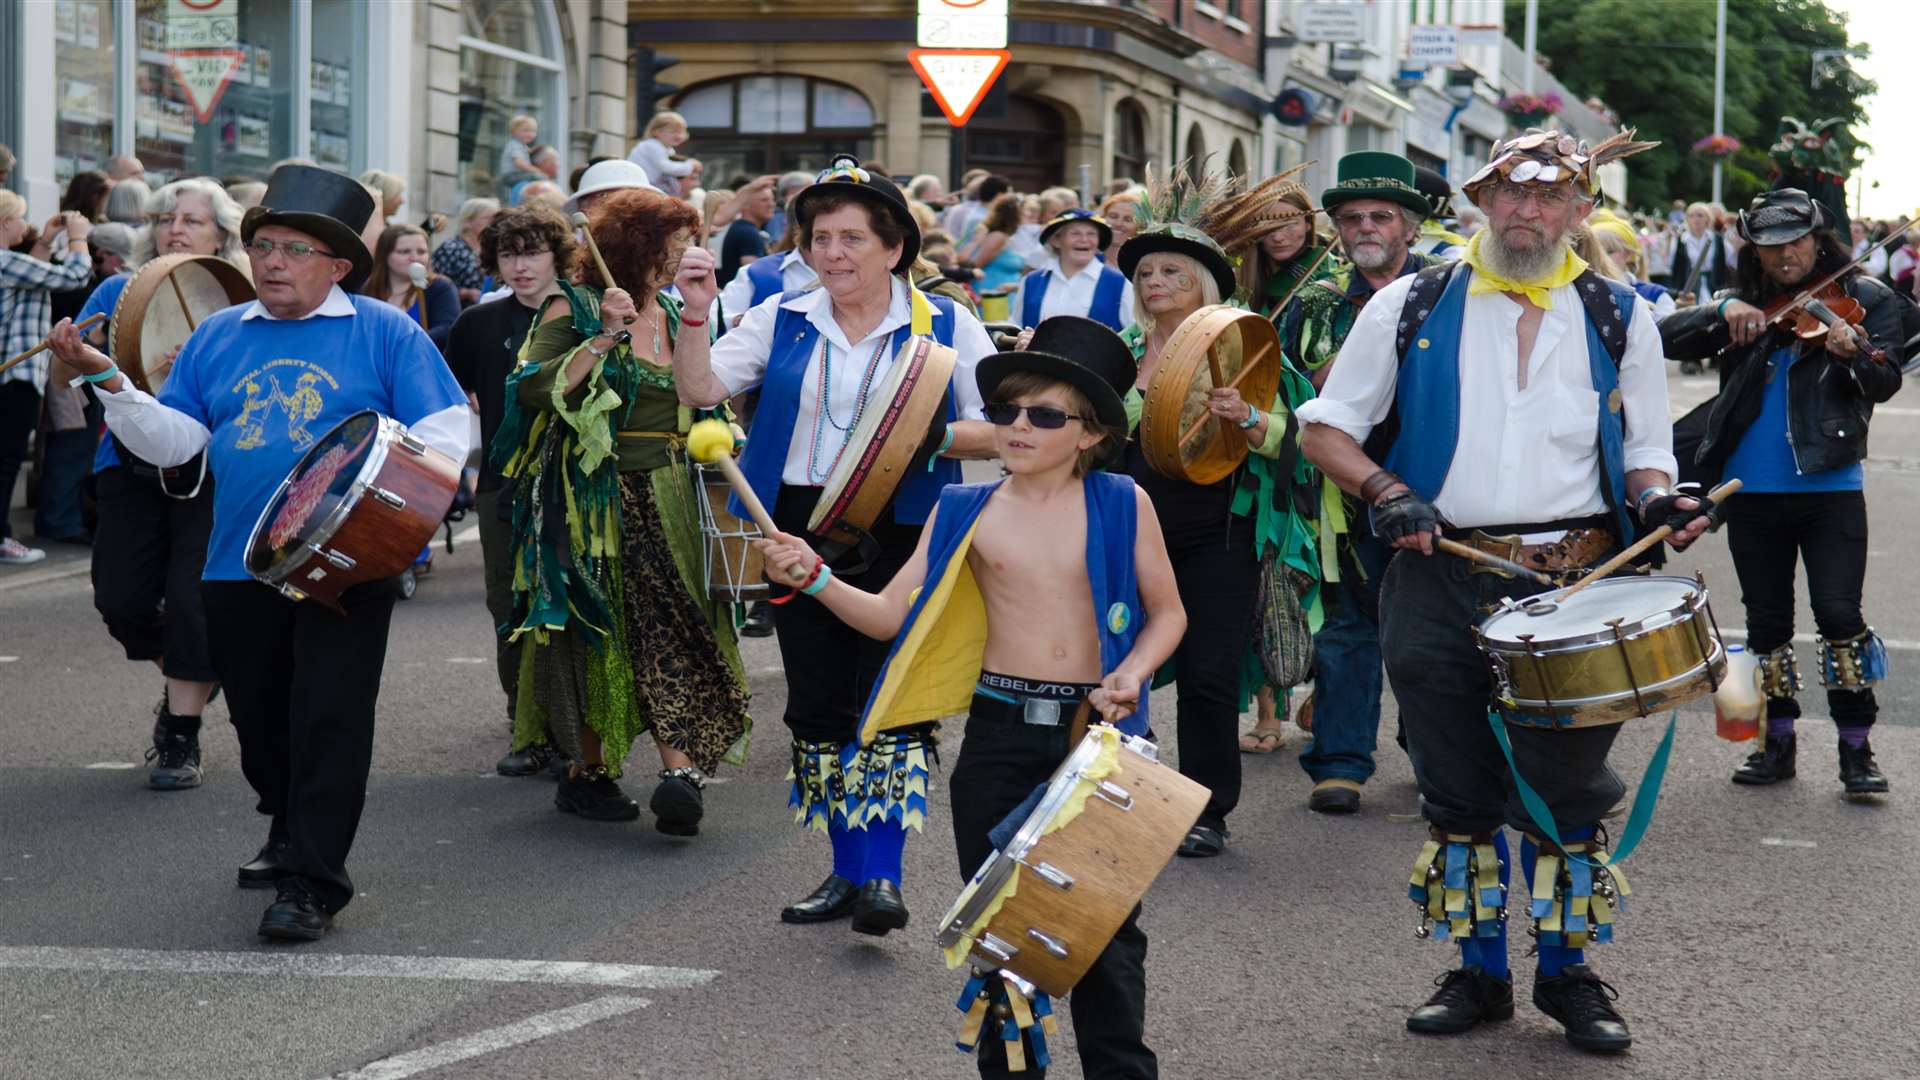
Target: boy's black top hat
331	207
1083	353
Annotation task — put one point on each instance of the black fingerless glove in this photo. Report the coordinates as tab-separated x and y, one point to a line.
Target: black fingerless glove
1664	509
1404	514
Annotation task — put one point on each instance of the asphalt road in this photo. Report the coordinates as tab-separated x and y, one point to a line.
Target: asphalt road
495	937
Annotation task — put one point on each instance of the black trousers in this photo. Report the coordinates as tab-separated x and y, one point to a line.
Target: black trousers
148	552
19	412
496	560
1440	679
301	682
1000	764
831	667
1219	582
1827	533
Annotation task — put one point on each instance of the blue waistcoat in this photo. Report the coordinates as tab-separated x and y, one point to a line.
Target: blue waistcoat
764	272
1105	307
1428	400
795	340
1112	517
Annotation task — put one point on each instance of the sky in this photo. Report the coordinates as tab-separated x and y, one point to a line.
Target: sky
1894	161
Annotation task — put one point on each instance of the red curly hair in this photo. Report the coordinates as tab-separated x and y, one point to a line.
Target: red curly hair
632	229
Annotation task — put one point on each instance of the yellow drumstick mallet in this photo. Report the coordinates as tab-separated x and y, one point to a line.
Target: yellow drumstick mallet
710	442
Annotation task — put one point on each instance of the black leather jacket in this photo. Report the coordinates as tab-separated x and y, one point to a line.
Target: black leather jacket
1829	400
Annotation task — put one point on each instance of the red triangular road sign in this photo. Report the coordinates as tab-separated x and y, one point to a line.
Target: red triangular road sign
958	78
203	75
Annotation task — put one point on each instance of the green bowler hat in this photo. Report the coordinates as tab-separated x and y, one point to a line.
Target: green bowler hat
1375	174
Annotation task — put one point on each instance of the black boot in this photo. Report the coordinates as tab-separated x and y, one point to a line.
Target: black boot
759	622
175	754
834	899
1467	996
677	804
529	761
295	914
594	796
1770	764
1583	1004
879	909
1859	772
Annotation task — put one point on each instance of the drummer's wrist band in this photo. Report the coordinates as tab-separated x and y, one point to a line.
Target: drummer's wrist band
101	376
1374	486
1253	419
1647	495
822	573
684	321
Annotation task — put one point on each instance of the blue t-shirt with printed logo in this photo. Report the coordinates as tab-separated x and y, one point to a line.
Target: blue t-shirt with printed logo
269	389
106	297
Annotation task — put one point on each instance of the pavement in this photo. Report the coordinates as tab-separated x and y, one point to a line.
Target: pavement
495	937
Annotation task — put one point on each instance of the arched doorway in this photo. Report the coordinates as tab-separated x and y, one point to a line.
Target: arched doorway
1196	147
1129	141
1237	163
1027	146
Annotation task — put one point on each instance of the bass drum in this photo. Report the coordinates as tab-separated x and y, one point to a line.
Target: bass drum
160	308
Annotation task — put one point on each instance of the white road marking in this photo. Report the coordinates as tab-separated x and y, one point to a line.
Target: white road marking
8	659
114	765
319	965
1778	841
538	1026
1809	639
466	660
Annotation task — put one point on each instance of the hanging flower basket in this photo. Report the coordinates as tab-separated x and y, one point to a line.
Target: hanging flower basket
1530	110
1718	145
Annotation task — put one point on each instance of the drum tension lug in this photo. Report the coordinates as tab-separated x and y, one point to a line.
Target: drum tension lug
1054	946
1110	792
1626	661
339	561
1053	875
997	949
388	497
413	444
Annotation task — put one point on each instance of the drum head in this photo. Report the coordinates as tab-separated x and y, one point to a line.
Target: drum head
318	486
1217	345
167	298
1633	600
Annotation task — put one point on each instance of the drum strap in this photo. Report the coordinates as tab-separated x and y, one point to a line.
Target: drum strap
1638	819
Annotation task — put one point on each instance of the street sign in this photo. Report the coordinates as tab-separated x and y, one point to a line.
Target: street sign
962	24
958	78
1433	45
1330	20
202	36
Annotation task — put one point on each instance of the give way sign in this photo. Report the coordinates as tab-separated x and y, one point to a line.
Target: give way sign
958	78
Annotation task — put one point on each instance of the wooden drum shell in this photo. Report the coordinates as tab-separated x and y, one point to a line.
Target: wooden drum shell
1216	345
166	299
891	437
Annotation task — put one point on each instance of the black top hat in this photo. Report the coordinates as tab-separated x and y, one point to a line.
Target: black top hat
1436	189
1181	240
845	177
1782	216
1075	217
331	207
1080	352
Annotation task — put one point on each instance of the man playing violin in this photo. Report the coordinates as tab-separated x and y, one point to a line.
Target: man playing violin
1791	422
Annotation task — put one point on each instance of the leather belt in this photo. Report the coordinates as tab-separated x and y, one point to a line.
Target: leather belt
1578	548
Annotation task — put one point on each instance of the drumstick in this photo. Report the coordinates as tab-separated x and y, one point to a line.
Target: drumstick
1233	383
83	325
710	442
1487	558
605	274
182	297
1716	496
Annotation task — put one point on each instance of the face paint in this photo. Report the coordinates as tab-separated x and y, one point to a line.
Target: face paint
1185	283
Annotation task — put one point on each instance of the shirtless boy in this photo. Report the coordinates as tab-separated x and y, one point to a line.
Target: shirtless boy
1079	604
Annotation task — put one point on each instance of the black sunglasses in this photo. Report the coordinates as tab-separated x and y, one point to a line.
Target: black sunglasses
1046	417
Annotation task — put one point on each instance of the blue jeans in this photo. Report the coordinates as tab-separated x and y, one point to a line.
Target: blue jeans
1347	676
68	458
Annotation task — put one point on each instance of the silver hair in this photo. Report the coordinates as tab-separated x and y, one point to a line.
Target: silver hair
127	202
471	209
1209	288
226	216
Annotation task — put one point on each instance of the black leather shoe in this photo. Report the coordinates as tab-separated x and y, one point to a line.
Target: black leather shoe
834	899
1582	1003
879	909
295	915
1770	764
1467	996
677	804
525	762
1859	772
265	869
759	622
594	796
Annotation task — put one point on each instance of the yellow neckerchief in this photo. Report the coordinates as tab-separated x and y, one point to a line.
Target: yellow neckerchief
1486	281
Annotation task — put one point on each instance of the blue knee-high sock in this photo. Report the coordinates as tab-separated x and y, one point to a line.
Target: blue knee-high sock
1491	952
886	845
849	851
1553	958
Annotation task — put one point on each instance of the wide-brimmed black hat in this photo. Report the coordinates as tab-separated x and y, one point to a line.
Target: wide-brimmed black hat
1080	352
331	207
1078	217
1782	216
1183	240
1435	187
845	177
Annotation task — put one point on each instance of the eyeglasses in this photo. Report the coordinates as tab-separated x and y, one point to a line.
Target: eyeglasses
1045	417
1353	219
1548	198
298	250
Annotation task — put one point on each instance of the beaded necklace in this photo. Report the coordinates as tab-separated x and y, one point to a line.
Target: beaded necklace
824	414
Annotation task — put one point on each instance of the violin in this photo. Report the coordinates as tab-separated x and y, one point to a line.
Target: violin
1811	314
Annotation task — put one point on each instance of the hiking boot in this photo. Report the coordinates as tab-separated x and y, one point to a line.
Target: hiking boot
1770	764
529	761
1467	996
593	795
1859	772
1582	1003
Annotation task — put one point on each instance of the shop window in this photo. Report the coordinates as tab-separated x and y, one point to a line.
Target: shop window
1237	162
83	83
339	85
509	66
1129	140
774	123
237	127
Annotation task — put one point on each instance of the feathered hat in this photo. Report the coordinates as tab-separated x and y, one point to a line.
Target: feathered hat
1550	157
1170	220
1237	222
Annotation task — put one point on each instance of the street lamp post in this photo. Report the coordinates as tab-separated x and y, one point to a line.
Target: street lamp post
1719	84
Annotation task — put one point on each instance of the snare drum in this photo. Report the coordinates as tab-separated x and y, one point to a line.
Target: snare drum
1046	907
358	507
1620	648
734	571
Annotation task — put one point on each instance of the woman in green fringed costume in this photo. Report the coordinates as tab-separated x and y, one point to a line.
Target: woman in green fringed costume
609	591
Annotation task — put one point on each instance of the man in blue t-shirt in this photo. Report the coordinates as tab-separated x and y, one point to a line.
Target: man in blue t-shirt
745	239
255	387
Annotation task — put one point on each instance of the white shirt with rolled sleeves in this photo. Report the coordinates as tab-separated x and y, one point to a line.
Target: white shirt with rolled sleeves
1071	295
740	363
1523	454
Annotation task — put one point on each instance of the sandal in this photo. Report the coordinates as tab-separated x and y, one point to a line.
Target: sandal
1203	842
1262	740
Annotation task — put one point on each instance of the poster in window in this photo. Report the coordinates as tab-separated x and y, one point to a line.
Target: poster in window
330	149
66	21
153	36
242	71
254	136
321	79
79	101
89	29
342	85
263	65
